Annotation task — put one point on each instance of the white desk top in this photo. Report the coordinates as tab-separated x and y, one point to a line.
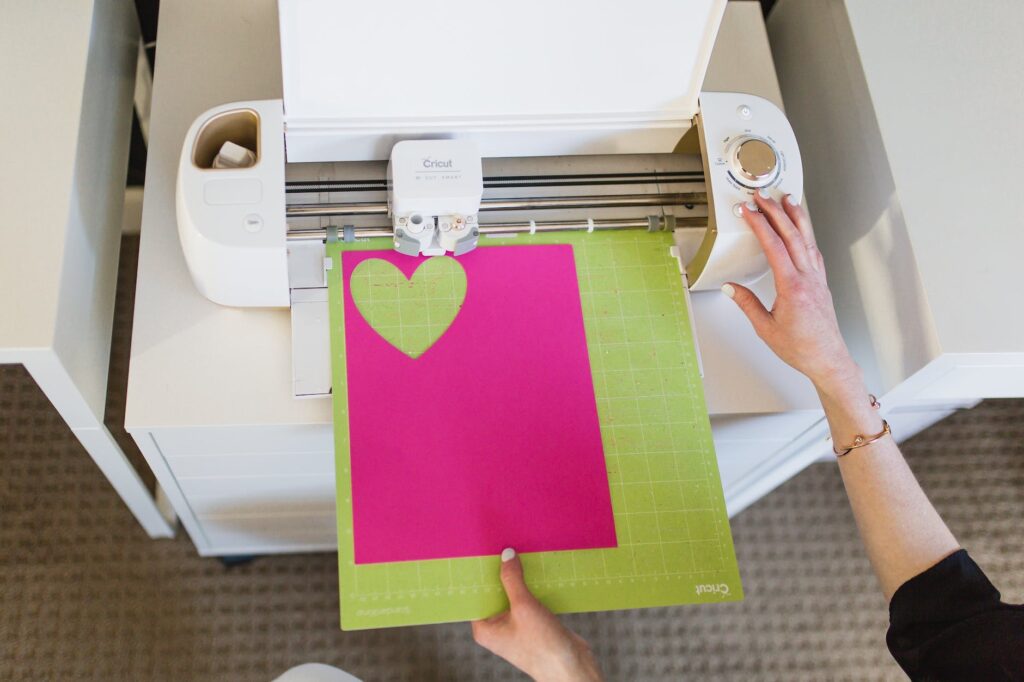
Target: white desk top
908	116
67	75
948	96
63	127
195	363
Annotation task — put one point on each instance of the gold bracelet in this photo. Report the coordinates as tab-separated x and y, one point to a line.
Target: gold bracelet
861	441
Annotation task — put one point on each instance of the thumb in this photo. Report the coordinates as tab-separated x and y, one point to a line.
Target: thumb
750	304
512	579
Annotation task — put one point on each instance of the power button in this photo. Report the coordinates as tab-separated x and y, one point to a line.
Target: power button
744	112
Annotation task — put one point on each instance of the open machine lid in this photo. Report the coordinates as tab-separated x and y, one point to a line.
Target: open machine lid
421	68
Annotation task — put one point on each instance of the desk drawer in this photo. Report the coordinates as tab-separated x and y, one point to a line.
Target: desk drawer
244	440
270	464
259	495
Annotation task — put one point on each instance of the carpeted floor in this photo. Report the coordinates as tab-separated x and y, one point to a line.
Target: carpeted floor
85	595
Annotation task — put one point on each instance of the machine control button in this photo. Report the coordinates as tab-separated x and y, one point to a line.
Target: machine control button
253	222
744	112
737	210
755	162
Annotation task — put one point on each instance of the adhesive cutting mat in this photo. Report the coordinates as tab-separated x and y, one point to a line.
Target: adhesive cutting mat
674	543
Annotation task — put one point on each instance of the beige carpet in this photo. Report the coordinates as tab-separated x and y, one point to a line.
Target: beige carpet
85	595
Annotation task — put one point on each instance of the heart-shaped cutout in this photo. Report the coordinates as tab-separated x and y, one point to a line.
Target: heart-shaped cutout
409	313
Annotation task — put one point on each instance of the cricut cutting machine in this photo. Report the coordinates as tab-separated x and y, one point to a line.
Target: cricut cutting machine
431	126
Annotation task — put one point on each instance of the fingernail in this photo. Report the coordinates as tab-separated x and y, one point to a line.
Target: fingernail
729	290
790	200
507	554
763	193
751	206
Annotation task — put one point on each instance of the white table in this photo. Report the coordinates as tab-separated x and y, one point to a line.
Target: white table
66	73
248	468
909	113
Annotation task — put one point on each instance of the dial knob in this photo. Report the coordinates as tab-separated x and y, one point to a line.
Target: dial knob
755	161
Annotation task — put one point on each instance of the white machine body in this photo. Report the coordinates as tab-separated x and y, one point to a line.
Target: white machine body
231	221
747	145
557	91
234	232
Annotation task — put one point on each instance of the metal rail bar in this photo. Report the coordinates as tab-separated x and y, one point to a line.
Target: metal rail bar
516	204
511	181
539	227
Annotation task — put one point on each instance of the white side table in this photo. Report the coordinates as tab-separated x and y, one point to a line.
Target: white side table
907	114
67	78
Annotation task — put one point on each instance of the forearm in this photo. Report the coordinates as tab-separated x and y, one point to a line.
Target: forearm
901	530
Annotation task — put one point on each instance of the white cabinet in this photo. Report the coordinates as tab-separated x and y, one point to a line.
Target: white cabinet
65	124
240	490
905	112
254	489
248	490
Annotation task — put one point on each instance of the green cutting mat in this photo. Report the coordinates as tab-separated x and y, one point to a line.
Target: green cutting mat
673	532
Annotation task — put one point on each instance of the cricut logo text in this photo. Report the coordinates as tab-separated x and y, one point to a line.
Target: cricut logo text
720	588
431	163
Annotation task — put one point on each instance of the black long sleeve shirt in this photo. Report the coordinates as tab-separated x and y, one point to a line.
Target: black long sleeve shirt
949	623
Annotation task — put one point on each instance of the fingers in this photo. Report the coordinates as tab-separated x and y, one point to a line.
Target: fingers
513	581
779	259
796	244
802	221
751	306
800	218
487	632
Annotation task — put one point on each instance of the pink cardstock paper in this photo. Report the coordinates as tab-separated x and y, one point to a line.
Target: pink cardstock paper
490	439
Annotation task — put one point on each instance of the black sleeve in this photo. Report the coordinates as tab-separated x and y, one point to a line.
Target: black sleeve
948	623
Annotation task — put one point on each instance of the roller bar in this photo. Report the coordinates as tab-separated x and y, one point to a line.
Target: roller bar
651	224
513	204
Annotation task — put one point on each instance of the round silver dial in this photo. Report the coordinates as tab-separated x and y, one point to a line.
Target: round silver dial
755	162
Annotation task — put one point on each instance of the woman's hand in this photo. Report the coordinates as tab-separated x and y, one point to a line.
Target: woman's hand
530	637
801	327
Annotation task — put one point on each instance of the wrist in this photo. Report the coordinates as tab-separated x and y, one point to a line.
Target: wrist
849	408
840	380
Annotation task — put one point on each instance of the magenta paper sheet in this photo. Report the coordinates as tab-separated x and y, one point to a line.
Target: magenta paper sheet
490	438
